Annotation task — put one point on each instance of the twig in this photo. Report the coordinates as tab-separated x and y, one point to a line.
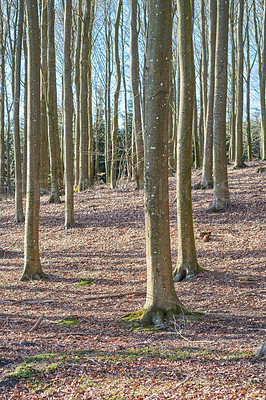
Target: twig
35	326
107	296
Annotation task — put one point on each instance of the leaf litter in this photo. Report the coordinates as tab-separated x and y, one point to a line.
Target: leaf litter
80	350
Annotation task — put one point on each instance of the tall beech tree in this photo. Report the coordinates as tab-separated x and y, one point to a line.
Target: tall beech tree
220	192
116	97
2	100
44	159
161	299
239	162
32	264
207	178
19	215
84	139
67	115
135	87
232	148
53	136
187	264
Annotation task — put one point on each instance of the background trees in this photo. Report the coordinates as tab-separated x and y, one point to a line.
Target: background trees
106	131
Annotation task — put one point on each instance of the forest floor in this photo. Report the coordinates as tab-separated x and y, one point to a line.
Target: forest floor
80	350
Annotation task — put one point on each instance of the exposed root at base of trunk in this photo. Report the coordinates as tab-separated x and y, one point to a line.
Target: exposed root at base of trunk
35	277
155	317
186	272
54	199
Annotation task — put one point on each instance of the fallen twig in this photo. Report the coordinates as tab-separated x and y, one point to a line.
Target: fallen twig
107	296
36	325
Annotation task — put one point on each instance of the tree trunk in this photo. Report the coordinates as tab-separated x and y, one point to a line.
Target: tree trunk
187	264
135	87
24	165
68	113
107	144
161	299
207	178
44	160
53	137
2	104
220	192
19	216
32	264
83	171
239	94
90	142
233	89
263	89
204	70
261	54
77	93
248	73
116	98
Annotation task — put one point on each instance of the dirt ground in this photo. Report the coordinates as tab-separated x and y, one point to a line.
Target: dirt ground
97	272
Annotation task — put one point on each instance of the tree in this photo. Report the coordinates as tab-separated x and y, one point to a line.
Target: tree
19	216
116	98
232	149
44	159
2	101
207	178
220	192
239	94
53	137
261	53
135	87
32	264
68	113
83	162
161	299
77	93
187	264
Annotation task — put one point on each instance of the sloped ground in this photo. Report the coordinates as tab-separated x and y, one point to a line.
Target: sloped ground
81	351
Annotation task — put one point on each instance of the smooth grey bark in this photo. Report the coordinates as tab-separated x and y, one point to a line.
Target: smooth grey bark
261	54
135	87
108	74
68	114
248	74
77	94
263	89
239	162
24	165
233	85
19	215
207	177
83	166
204	69
127	155
161	299
90	122
53	136
2	102
187	264
44	159
220	192
32	264
114	134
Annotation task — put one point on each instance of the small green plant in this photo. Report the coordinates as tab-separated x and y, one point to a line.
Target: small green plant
67	321
85	281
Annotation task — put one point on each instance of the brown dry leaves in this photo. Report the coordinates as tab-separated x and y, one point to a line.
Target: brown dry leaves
208	359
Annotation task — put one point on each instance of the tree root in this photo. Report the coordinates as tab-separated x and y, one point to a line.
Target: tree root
186	272
155	317
35	277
